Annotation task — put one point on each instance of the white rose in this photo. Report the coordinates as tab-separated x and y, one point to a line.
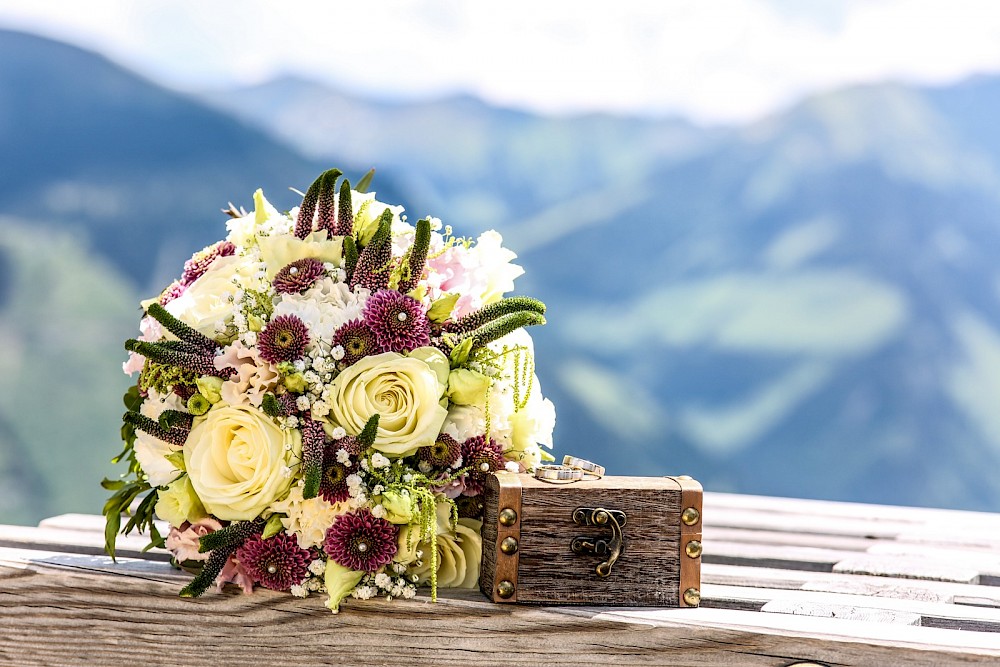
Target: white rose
235	457
204	305
404	391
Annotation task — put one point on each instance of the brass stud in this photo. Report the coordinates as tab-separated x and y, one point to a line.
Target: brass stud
508	517
505	589
508	546
601	518
690	516
693	549
692	597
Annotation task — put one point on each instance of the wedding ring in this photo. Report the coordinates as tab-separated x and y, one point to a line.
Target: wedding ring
560	474
588	467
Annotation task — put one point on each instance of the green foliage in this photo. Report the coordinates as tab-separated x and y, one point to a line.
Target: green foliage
273	526
128	488
369	432
272	406
460	353
365	182
164	377
441	309
350	256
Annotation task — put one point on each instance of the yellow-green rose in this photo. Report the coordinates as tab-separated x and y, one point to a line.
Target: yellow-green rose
466	387
179	503
238	461
404	391
459	555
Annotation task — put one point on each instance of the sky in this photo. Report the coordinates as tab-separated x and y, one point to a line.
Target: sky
717	61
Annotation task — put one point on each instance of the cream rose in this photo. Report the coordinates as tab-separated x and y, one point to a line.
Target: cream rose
459	555
205	304
238	460
404	391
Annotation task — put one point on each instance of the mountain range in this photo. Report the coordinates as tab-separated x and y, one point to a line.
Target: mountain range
806	305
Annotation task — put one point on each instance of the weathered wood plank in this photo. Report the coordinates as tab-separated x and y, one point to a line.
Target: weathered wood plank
936	613
59	618
878	586
840	612
717	502
75	541
907	567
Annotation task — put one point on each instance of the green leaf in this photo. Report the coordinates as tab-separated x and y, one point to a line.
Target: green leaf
461	353
177	459
272	527
132	398
441	309
114	522
113	484
365	182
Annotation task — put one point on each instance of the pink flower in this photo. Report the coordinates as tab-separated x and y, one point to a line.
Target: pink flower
152	331
183	542
234	573
452	489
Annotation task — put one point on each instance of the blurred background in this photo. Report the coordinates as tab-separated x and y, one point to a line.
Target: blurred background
767	231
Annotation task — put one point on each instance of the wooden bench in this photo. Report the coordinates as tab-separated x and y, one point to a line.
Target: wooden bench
783	582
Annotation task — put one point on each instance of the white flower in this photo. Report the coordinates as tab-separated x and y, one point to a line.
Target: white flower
378	512
299	591
318	567
308	519
338	433
382	580
324	307
379	461
151	452
203	305
264	220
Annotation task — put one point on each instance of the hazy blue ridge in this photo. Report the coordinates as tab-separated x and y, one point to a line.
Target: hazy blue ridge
808	305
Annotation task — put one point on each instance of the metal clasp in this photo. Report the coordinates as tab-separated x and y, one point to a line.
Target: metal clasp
608	549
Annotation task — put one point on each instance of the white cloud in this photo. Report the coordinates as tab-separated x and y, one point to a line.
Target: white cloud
718	61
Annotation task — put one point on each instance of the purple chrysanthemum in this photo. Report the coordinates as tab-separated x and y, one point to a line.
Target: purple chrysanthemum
357	340
195	267
277	563
283	339
298	276
443	453
397	320
360	541
481	457
333	484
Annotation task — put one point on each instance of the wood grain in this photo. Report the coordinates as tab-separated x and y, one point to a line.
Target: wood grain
57	618
784	581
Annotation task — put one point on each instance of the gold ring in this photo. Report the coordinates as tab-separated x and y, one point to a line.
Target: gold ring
588	467
559	474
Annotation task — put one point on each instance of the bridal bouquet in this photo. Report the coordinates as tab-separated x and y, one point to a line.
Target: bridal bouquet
321	397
